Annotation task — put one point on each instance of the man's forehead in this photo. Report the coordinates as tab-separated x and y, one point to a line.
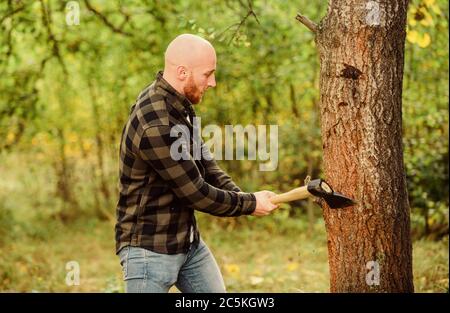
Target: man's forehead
205	62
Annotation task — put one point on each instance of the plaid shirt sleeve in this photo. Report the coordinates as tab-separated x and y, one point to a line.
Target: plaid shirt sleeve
215	175
185	179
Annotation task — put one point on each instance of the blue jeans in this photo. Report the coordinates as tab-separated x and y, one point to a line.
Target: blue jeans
191	272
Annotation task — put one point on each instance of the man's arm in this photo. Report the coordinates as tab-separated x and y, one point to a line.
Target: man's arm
215	175
185	180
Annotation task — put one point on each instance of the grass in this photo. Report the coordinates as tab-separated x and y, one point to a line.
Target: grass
256	259
431	265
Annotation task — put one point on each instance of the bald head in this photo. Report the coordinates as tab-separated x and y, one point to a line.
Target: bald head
188	50
190	62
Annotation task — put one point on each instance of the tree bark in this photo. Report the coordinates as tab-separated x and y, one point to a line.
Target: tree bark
361	48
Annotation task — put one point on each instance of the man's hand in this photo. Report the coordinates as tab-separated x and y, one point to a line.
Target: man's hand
263	204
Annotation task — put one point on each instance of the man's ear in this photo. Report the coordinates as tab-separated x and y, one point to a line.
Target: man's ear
181	73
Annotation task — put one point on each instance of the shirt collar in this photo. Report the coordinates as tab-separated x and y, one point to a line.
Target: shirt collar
180	103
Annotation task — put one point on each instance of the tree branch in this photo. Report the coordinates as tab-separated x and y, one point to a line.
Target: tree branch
307	22
252	12
242	22
126	19
11	13
9	42
47	21
106	21
239	26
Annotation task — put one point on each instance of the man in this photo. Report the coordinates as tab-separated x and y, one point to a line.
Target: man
156	233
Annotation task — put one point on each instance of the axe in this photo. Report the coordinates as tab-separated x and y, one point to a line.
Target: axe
318	188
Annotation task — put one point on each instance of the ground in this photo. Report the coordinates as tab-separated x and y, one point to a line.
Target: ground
252	257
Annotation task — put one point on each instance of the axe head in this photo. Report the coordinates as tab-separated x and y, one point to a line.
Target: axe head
335	200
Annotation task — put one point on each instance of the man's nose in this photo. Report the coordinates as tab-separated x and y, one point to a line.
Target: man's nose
212	81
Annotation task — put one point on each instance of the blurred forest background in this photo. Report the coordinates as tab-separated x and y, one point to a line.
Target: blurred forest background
65	94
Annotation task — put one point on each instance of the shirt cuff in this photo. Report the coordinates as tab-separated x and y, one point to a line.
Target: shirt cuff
248	203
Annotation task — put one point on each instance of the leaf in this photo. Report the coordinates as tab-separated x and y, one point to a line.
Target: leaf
256	280
292	266
233	269
427	20
411	17
436	9
412	36
424	41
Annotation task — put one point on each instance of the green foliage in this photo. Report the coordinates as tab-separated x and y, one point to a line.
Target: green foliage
425	118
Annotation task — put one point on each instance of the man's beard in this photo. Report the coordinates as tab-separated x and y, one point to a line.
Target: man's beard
191	91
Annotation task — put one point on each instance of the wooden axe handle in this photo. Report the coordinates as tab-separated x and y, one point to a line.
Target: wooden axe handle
295	194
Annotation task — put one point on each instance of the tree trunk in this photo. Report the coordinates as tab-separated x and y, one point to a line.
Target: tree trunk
101	210
361	48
